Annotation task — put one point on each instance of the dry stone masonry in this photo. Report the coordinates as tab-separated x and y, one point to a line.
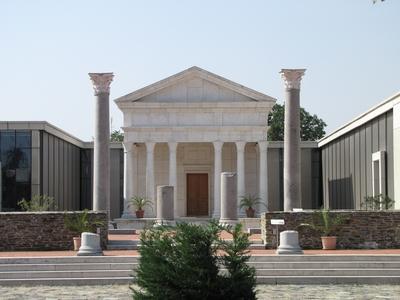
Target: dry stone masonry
41	230
361	229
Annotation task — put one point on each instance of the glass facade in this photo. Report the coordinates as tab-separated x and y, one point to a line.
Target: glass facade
15	158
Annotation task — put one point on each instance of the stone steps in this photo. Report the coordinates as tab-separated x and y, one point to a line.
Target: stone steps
270	269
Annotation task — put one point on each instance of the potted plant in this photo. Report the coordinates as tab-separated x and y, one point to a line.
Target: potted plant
326	223
139	203
78	223
249	202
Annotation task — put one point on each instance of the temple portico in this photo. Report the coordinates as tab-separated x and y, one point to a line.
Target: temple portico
184	131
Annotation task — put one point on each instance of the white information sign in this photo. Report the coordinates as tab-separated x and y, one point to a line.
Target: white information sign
277	222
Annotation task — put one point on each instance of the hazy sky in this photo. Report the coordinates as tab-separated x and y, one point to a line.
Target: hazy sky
351	49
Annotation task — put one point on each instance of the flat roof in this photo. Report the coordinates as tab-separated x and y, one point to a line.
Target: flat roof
50	128
365	117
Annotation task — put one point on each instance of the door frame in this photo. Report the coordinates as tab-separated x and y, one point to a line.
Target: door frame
203	169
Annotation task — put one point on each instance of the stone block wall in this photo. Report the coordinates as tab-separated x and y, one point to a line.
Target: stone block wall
360	229
42	230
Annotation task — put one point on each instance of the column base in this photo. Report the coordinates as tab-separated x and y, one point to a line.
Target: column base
164	223
228	222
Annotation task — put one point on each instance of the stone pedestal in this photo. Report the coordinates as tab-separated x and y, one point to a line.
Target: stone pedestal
90	245
289	243
165	204
228	198
291	150
101	149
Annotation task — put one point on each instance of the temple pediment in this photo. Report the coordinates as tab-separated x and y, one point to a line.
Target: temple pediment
194	85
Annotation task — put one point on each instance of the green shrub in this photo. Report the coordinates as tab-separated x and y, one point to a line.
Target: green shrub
378	202
183	262
38	203
79	222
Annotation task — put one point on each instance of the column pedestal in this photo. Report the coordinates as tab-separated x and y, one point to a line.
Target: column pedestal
228	198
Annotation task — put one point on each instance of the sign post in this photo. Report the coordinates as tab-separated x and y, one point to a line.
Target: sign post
277	223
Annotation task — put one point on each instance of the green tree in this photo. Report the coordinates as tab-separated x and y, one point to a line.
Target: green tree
312	128
183	262
116	136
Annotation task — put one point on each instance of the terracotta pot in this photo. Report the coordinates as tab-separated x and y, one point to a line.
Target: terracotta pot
328	242
139	214
250	212
77	243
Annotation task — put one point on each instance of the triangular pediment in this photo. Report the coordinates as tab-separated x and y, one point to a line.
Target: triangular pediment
195	85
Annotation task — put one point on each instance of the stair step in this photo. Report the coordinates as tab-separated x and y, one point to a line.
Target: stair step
65	274
121	231
66	281
69	259
326	265
123	242
328	272
328	280
67	267
123	247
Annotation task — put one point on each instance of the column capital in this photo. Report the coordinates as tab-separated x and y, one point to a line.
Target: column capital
172	146
240	145
263	145
218	145
128	146
150	146
292	77
101	82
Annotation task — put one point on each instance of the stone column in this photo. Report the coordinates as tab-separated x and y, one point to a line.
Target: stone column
165	203
291	157
241	188
101	160
263	184
150	173
228	198
172	172
217	178
128	177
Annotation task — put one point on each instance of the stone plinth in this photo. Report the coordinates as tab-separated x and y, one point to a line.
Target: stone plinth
289	243
165	204
228	198
90	245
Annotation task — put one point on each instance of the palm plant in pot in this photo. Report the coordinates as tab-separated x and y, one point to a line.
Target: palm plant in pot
78	223
325	223
249	202
140	203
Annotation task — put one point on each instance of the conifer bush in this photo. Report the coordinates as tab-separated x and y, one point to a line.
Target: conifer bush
192	262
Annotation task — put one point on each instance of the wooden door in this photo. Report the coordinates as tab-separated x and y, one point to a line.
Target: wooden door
197	194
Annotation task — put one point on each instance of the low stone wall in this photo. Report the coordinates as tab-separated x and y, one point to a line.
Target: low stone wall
360	229
42	230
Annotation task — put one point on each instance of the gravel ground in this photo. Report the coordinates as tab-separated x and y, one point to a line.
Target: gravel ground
114	292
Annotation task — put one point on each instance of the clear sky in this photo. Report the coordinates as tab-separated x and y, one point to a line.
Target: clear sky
350	48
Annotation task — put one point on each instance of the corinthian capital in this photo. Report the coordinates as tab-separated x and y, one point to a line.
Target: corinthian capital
101	82
292	77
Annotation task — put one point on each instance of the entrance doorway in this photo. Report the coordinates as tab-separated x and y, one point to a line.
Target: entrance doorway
197	194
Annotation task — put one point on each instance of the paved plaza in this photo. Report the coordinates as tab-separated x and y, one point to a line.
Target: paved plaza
122	292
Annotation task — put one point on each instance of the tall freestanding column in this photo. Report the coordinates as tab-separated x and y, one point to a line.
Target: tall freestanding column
291	157
217	178
263	184
101	160
241	189
172	173
150	173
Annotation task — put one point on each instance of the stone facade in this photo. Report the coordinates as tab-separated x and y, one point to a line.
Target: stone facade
189	123
361	229
41	230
